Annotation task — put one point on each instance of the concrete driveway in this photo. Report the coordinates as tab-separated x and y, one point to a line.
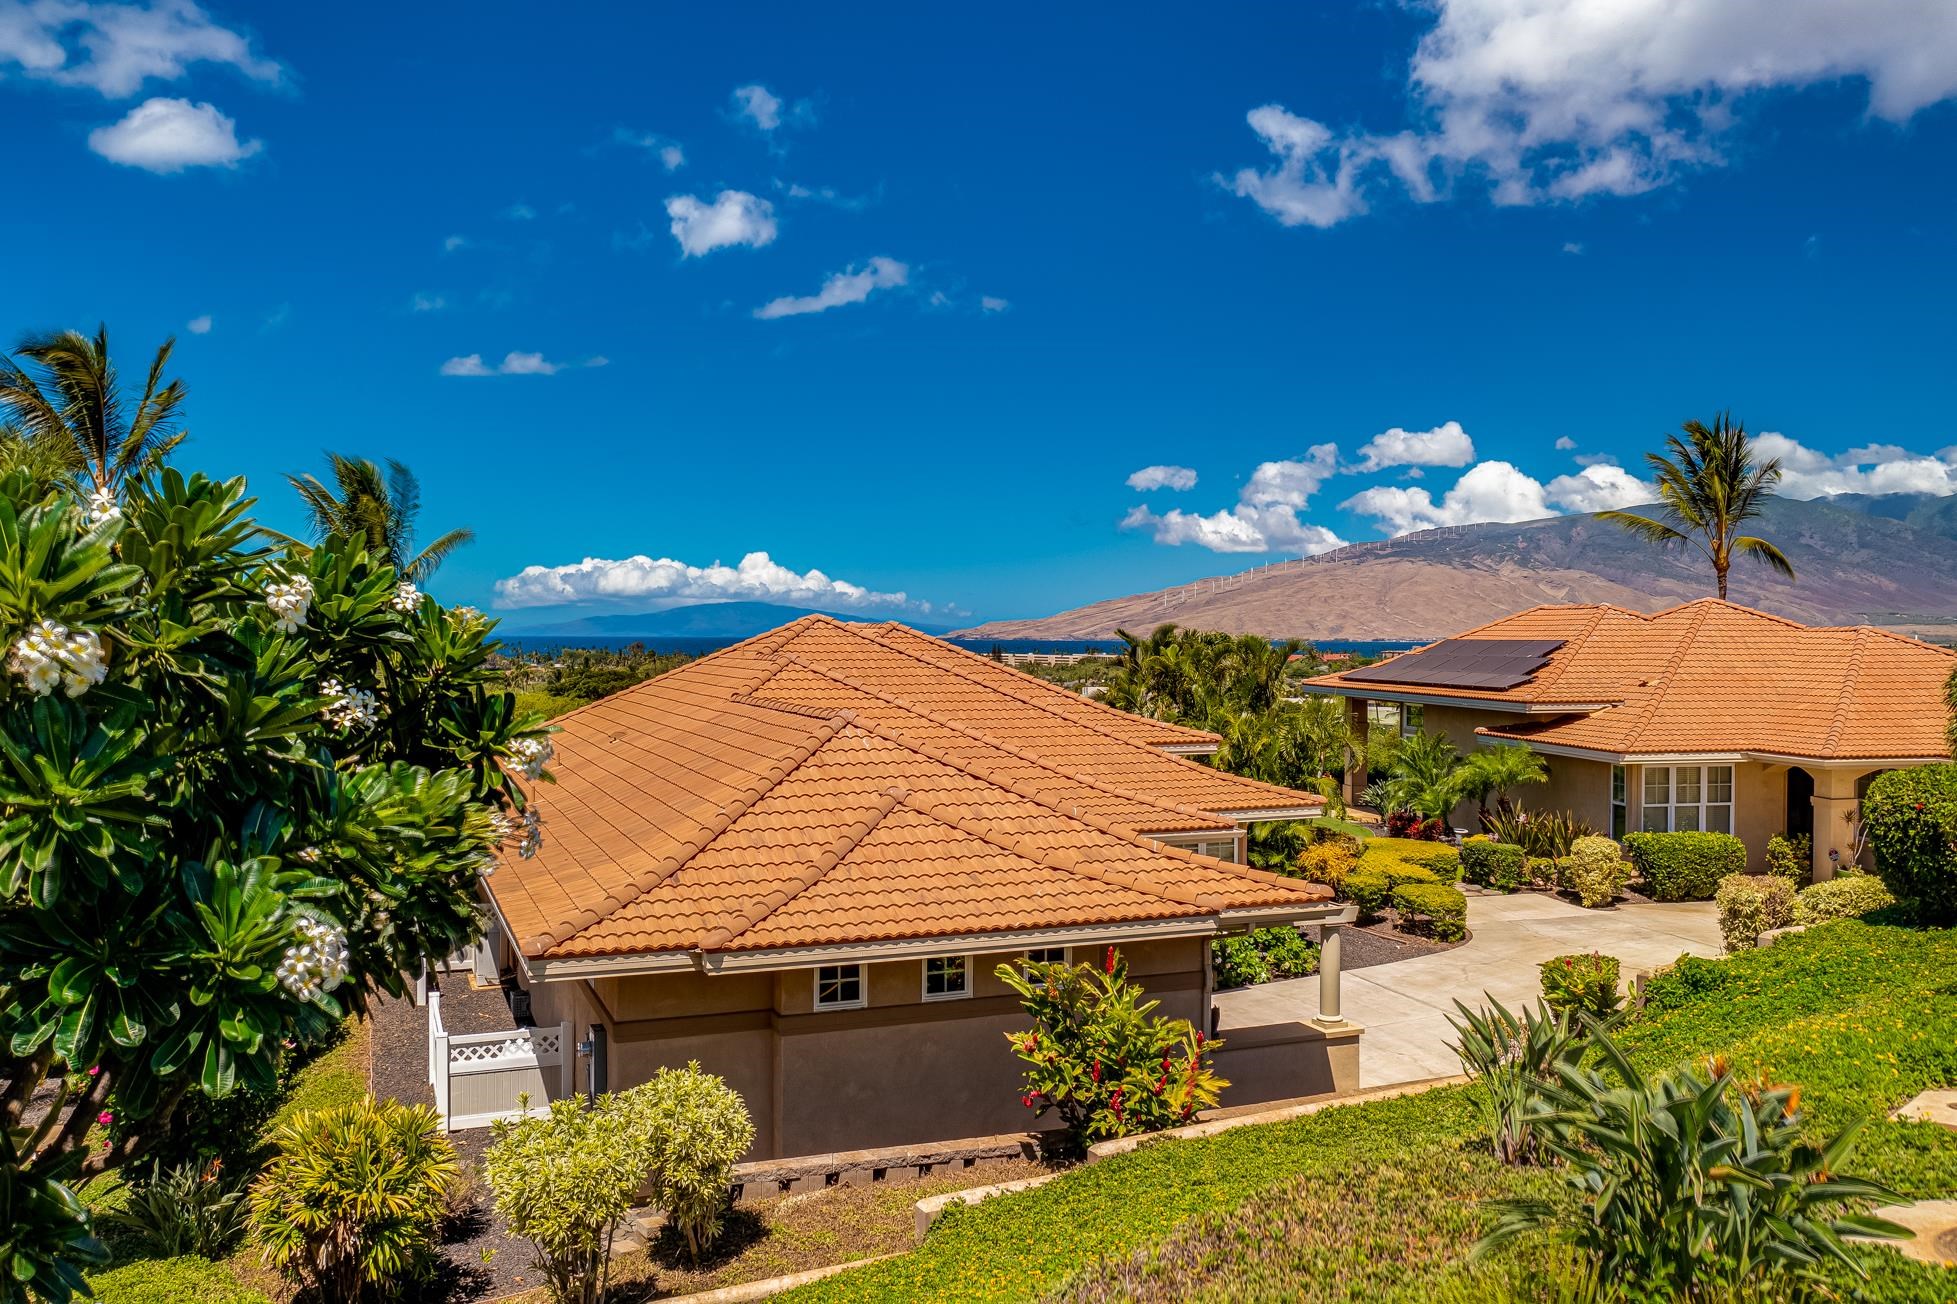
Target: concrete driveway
1404	1006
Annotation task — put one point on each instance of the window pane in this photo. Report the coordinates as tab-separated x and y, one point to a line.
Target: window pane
1617	820
839	984
1719	819
1685	819
944	975
1047	955
1617	783
1654	819
1686	785
1719	783
1657	786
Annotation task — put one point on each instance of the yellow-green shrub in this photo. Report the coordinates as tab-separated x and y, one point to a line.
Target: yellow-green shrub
1442	859
1327	863
1595	869
1751	904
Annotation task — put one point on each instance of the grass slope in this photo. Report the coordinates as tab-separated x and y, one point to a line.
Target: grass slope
1380	1201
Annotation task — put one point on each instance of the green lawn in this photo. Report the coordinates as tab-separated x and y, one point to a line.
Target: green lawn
1380	1201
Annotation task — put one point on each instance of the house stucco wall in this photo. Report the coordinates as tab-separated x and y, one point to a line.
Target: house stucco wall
1578	786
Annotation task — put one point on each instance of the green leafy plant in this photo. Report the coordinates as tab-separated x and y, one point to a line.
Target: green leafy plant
564	1179
1369	890
1685	866
354	1196
1582	983
1437	907
1101	1057
1910	817
1391	855
700	1128
1791	858
1510	1057
187	1209
1595	870
1548	833
1497	771
1423	779
1244	959
187	1280
1328	862
1845	897
1491	864
1751	904
1693	1186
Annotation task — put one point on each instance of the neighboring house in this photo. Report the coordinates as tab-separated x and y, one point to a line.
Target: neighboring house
1707	715
799	861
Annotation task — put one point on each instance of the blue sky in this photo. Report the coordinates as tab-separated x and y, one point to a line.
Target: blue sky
907	296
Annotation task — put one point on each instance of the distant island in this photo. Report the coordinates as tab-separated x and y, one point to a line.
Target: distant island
730	620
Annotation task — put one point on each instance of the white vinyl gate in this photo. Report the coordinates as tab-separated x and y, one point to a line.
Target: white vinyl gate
480	1077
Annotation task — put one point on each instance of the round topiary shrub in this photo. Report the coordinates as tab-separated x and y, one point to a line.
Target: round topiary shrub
1911	819
1443	909
1751	904
1595	869
1849	896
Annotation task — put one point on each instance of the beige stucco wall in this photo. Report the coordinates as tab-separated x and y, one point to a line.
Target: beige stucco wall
1578	786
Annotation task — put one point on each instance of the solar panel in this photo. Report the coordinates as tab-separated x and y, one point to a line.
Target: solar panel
1488	663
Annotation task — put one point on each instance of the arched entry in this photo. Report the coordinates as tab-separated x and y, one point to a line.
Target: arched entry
1800	802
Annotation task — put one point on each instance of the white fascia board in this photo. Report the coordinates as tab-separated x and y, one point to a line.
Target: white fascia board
1469	703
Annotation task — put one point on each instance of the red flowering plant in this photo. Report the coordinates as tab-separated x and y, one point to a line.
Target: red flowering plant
1101	1057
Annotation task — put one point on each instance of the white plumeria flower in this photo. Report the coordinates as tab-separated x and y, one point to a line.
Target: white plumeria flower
533	834
406	597
102	506
351	708
531	755
290	602
317	962
50	655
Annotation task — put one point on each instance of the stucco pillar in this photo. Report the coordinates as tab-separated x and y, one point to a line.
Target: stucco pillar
1328	974
1358	723
1834	800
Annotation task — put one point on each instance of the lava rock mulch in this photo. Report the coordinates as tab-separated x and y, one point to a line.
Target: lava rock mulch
1361	946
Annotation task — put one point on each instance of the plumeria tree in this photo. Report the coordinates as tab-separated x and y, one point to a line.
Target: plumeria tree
241	792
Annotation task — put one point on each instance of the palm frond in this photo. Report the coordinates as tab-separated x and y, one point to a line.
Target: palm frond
430	559
1761	550
1644	527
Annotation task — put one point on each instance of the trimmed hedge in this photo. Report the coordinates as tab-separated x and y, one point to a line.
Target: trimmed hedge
1595	870
1750	904
1685	866
1442	906
1327	862
172	1281
1442	859
1911	819
1847	896
1368	889
1483	860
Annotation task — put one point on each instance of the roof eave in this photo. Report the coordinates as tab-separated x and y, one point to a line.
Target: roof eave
1721	755
1520	706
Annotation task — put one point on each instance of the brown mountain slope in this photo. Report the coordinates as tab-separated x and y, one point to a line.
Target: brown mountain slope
1851	566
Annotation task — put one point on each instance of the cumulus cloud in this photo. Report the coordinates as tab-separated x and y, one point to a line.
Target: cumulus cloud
168	135
1556	100
1564	443
1874	469
852	286
115	49
1163	477
513	364
734	218
199	325
1487	491
1599	487
1445	445
758	105
1265	518
663	582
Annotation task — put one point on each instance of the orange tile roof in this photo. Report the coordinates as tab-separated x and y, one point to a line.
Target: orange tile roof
829	784
1713	676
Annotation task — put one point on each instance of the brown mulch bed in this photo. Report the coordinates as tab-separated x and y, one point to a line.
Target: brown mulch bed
1361	946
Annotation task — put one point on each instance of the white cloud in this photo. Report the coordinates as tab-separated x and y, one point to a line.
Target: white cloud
1163	477
199	325
672	157
1445	445
852	286
115	48
455	243
667	150
1572	247
1599	487
426	302
758	105
1564	443
734	218
1265	518
520	213
993	303
663	582
166	135
514	364
1557	100
1487	491
1874	469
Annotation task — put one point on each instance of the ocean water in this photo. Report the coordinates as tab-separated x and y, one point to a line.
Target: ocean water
697	646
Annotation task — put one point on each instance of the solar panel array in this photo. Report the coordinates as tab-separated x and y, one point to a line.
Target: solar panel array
1490	663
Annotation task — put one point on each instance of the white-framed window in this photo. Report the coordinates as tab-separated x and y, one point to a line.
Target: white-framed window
840	987
947	977
1619	802
1047	955
1412	717
1687	798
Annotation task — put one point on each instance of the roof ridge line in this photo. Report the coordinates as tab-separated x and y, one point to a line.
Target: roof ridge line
1663	680
671	864
752	914
1544	685
1021	698
1011	749
1849	677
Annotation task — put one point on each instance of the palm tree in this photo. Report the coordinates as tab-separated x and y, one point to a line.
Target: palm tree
380	510
1497	770
1425	776
1709	487
72	407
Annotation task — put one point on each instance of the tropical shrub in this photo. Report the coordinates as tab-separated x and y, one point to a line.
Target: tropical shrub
1423	782
185	1210
1327	862
1239	962
700	1128
1542	871
1751	904
1685	866
1320	833
1548	833
354	1196
1790	858
1491	864
1274	845
186	1280
1688	979
1595	870
1443	909
1695	1187
1911	820
1101	1057
1510	1058
1262	955
1442	859
1368	889
1847	897
1583	983
241	790
564	1179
